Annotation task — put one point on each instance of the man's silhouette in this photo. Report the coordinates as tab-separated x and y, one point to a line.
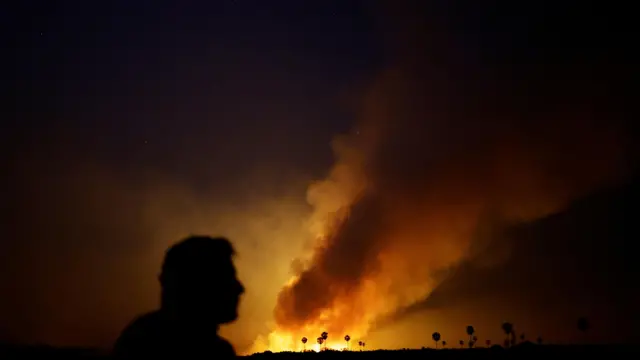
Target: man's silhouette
200	291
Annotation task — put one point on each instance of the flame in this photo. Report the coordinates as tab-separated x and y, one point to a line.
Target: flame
284	341
343	318
353	313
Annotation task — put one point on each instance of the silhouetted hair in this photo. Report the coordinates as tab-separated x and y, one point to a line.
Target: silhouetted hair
187	255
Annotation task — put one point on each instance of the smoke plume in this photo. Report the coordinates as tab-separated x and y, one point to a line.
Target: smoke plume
440	149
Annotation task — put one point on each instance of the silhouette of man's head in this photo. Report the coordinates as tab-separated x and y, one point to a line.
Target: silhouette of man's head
199	280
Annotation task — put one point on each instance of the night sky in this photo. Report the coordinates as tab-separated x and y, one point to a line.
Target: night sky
130	124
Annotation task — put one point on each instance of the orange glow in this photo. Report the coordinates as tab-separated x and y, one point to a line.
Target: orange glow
388	233
282	341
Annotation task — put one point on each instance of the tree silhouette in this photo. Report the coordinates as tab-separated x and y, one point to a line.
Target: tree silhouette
320	341
470	331
347	338
361	344
444	343
522	337
488	342
461	343
473	341
304	344
539	340
324	336
583	326
507	327
436	337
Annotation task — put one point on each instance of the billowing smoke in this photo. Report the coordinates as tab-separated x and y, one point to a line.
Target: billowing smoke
438	152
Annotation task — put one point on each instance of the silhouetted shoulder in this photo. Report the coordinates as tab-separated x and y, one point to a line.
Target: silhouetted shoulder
200	292
154	335
225	348
140	337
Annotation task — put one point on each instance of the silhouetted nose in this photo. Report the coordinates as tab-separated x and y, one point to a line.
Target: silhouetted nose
239	287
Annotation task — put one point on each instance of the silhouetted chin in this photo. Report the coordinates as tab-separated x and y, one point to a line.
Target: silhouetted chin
219	315
231	313
204	309
230	317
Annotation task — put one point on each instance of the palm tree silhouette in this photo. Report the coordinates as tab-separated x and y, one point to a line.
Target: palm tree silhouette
361	344
583	326
436	337
488	342
470	331
507	327
539	340
320	341
444	343
347	338
461	343
324	337
522	337
304	344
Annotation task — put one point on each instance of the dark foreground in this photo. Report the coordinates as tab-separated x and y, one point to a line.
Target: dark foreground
520	351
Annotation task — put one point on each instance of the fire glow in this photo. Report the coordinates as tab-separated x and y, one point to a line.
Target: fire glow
278	341
411	191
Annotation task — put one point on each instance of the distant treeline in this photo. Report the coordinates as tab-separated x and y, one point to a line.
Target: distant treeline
518	351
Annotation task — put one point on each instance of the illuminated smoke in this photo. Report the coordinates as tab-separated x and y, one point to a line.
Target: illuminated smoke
443	149
436	153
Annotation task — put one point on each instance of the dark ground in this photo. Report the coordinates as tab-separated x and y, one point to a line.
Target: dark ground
526	350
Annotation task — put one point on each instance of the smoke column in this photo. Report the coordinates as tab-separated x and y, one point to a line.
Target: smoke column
441	146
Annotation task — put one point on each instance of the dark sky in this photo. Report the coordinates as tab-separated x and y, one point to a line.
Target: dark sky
197	77
128	124
234	103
